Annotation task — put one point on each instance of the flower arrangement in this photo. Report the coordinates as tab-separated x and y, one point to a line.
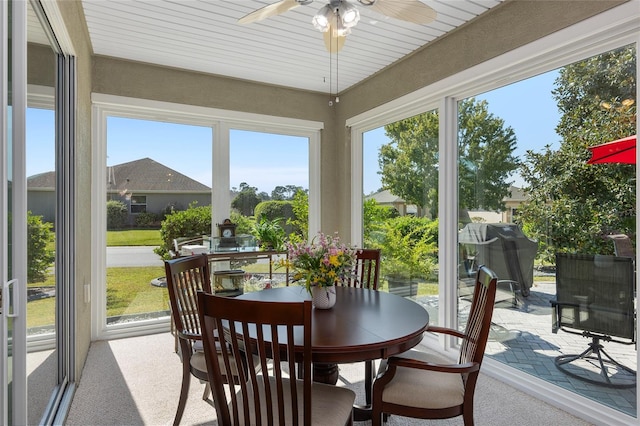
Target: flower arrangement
323	261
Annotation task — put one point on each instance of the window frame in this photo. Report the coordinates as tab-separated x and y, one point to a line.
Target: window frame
133	203
221	122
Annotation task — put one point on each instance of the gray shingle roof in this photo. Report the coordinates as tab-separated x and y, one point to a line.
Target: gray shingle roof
139	175
46	180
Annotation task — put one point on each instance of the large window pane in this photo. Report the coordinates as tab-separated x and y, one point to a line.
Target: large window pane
269	177
154	169
536	196
400	185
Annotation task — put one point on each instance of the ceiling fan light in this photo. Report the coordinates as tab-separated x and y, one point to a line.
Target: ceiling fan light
367	2
322	19
339	29
349	14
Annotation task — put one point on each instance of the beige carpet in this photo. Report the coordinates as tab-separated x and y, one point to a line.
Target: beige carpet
136	381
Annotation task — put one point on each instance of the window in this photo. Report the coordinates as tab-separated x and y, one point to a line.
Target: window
138	204
140	154
400	205
564	204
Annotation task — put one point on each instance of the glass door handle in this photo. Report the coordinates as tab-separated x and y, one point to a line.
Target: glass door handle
9	303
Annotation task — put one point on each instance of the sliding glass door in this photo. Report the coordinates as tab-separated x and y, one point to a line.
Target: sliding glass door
13	215
36	221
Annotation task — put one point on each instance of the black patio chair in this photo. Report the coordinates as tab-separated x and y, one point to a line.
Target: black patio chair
595	299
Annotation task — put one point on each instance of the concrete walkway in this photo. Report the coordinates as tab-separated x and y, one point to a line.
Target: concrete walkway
132	256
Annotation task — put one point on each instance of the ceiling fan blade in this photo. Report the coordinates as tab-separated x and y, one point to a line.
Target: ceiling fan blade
332	41
406	10
270	10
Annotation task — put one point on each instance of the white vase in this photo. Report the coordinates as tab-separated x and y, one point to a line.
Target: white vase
323	297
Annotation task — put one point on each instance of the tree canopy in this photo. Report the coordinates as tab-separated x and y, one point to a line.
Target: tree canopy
574	204
408	164
246	200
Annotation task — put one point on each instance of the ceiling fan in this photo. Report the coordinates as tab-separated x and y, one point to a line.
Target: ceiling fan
337	17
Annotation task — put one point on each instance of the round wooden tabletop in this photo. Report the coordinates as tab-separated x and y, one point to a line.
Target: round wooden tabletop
363	325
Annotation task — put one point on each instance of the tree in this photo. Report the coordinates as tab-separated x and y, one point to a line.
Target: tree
39	256
286	192
408	164
573	204
246	200
300	219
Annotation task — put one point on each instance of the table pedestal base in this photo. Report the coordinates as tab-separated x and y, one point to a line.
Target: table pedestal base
325	373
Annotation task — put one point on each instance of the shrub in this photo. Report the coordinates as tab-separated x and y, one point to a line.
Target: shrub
193	222
146	219
244	224
409	247
270	234
276	210
117	213
39	257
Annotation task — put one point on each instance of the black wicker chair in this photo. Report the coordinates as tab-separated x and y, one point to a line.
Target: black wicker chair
595	299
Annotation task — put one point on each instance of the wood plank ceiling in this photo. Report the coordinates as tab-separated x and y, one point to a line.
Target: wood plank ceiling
285	50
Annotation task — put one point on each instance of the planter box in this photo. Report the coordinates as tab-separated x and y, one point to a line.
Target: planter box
404	287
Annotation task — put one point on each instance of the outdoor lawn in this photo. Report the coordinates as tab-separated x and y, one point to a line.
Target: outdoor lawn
128	289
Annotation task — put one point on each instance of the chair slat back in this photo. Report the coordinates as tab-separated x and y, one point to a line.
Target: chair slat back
479	322
185	277
595	293
366	270
265	395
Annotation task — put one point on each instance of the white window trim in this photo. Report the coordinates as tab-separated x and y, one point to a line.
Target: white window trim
220	121
609	30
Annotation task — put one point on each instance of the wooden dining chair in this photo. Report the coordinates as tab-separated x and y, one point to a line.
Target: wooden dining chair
366	269
185	277
270	395
366	273
424	385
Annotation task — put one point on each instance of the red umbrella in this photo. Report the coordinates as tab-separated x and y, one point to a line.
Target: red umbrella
620	151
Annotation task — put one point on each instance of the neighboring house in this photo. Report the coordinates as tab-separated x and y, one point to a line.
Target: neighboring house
41	196
143	185
512	203
386	198
509	214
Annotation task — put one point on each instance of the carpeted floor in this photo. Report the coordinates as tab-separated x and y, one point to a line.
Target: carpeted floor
136	381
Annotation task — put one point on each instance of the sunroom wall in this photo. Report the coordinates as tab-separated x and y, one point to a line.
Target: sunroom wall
74	23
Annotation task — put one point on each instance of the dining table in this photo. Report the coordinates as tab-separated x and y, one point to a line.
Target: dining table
363	325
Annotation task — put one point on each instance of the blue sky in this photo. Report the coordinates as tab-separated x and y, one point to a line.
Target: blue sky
265	160
526	106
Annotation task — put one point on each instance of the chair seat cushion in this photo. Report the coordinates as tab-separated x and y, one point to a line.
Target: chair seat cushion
199	363
331	405
424	389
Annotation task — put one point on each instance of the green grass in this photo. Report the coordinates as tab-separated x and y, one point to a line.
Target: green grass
134	237
129	291
41	312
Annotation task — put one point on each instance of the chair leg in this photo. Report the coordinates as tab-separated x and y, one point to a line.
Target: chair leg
184	393
207	391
